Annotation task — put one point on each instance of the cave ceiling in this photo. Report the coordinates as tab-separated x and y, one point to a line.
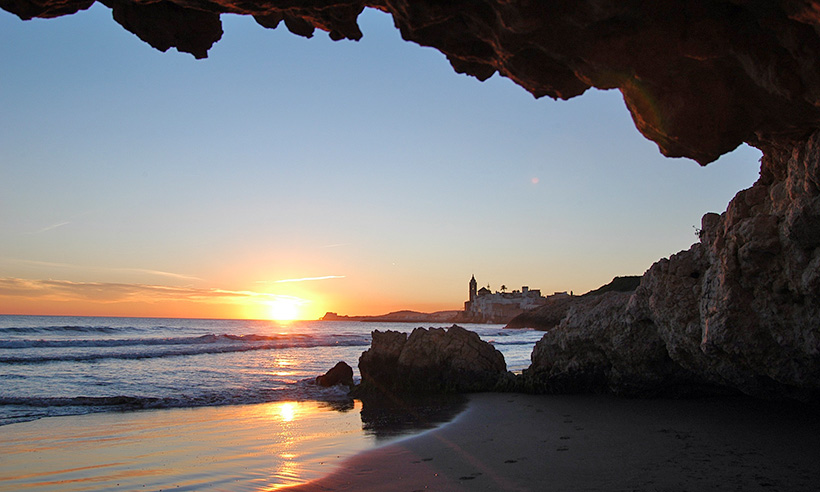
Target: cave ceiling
698	77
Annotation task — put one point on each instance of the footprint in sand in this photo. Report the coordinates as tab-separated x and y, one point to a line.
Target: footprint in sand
470	477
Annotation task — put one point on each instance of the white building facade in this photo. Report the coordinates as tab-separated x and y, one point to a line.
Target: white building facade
485	306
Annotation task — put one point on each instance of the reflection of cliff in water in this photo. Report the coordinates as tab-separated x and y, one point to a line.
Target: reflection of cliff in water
386	418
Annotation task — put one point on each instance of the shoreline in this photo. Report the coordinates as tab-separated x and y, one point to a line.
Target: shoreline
493	442
229	448
247	447
518	442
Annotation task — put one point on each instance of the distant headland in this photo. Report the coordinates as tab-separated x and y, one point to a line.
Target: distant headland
482	306
404	316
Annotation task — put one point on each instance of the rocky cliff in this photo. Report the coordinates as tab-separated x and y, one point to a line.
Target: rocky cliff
551	314
740	309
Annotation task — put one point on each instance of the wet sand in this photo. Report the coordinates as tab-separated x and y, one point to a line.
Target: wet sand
229	448
596	443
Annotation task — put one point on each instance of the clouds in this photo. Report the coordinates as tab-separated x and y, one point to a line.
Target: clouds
52	266
307	279
112	292
51	227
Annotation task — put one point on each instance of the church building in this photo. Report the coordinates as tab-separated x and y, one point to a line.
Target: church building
485	306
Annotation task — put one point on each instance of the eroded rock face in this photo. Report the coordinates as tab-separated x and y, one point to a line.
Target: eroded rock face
551	314
740	309
602	346
429	361
699	76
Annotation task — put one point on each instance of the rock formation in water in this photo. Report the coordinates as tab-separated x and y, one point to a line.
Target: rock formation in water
431	360
341	373
699	77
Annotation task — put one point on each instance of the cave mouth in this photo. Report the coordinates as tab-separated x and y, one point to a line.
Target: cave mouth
469	128
699	79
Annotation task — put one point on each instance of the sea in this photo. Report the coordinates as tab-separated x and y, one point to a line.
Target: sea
53	366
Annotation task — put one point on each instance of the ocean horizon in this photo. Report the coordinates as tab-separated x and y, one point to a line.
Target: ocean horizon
86	401
72	365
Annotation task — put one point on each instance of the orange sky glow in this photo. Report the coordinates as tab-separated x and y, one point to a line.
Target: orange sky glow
280	300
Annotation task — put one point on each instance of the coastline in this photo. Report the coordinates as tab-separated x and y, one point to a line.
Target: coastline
230	448
568	443
226	448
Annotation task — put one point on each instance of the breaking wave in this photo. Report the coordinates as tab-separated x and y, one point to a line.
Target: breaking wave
144	348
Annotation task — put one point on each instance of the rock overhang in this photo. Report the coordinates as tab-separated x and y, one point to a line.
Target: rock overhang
698	77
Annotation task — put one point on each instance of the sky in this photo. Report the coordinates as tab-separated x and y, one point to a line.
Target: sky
285	176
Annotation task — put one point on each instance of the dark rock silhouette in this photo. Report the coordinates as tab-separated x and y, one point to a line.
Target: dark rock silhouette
551	314
740	309
431	360
341	373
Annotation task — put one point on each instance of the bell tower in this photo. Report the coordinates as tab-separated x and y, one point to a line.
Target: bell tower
473	288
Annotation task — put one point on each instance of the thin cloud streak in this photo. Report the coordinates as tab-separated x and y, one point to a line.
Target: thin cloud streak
160	273
307	279
51	227
109	292
70	266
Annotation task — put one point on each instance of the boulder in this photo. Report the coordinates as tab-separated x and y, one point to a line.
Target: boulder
604	345
341	373
431	360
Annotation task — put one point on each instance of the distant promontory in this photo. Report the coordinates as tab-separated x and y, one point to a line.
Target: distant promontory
518	308
404	316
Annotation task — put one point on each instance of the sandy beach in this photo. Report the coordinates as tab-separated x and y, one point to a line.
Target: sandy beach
501	442
597	443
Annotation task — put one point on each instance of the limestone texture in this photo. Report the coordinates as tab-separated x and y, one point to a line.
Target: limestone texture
740	309
434	360
551	314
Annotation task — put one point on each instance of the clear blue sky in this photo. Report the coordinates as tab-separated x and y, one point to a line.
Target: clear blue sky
280	158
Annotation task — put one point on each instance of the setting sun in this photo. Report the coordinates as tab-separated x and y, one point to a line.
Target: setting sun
284	309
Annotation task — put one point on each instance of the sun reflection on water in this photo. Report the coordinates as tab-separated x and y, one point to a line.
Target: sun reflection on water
257	447
287	410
